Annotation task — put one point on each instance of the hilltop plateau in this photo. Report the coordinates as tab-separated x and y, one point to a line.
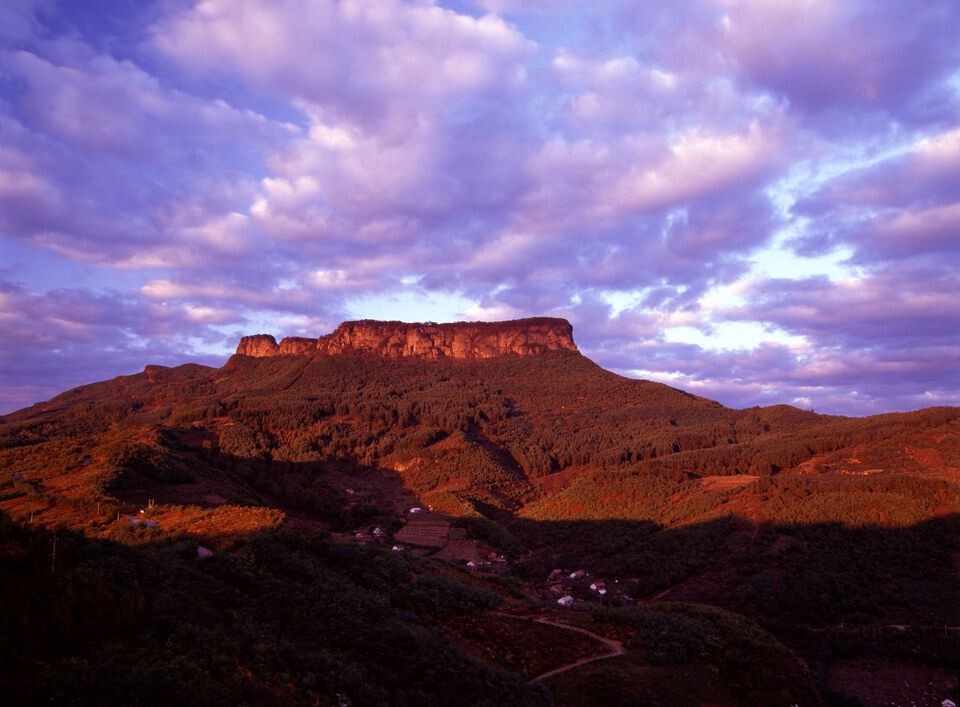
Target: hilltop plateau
461	340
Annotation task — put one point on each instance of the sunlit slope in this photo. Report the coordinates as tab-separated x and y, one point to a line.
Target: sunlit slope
465	435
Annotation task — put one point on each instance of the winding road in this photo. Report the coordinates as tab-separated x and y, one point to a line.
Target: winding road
615	648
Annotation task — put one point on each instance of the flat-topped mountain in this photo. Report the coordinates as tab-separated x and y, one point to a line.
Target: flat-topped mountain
714	531
458	340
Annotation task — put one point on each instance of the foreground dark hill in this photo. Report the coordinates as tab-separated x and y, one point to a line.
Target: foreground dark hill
826	531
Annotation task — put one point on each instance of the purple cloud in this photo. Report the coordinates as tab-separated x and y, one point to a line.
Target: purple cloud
63	338
628	165
891	57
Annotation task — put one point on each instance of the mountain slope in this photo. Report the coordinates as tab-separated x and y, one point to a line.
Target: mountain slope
497	424
802	522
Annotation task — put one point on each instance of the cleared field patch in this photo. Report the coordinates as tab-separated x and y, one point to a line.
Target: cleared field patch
726	483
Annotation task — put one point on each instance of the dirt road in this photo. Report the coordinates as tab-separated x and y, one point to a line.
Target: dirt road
615	648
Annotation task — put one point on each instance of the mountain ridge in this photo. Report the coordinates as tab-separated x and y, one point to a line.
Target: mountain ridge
539	465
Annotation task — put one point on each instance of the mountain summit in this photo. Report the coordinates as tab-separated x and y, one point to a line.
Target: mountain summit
458	340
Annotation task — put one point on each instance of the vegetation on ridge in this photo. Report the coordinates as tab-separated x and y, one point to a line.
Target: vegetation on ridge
806	524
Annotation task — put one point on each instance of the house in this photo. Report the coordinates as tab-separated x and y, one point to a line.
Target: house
416	509
377	532
565	601
203	552
397	548
598	586
579	574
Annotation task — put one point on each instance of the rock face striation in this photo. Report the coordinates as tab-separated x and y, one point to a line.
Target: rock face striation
258	345
461	340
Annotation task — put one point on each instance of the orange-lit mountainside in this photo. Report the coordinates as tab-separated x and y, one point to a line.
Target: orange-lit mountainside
469	513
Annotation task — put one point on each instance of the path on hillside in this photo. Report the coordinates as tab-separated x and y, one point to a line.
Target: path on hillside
616	648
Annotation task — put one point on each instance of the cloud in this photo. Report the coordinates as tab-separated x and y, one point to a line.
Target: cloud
62	338
894	307
629	165
18	21
399	57
889	55
698	163
925	173
102	163
904	234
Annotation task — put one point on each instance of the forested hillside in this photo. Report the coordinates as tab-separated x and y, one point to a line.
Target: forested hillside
810	525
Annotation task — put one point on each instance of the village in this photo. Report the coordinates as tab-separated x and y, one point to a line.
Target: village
569	588
423	532
427	533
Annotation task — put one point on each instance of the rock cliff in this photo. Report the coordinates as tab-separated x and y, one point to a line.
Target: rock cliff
258	345
461	340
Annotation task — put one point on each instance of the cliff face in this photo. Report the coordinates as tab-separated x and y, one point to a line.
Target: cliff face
462	340
258	345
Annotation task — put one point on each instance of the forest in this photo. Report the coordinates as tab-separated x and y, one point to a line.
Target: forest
807	527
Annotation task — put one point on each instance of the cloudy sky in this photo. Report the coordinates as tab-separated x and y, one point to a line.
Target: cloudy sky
754	200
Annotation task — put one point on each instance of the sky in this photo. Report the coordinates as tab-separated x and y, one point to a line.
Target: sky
753	200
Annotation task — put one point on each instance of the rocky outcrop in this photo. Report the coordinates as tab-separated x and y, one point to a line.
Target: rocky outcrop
297	346
258	345
462	340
